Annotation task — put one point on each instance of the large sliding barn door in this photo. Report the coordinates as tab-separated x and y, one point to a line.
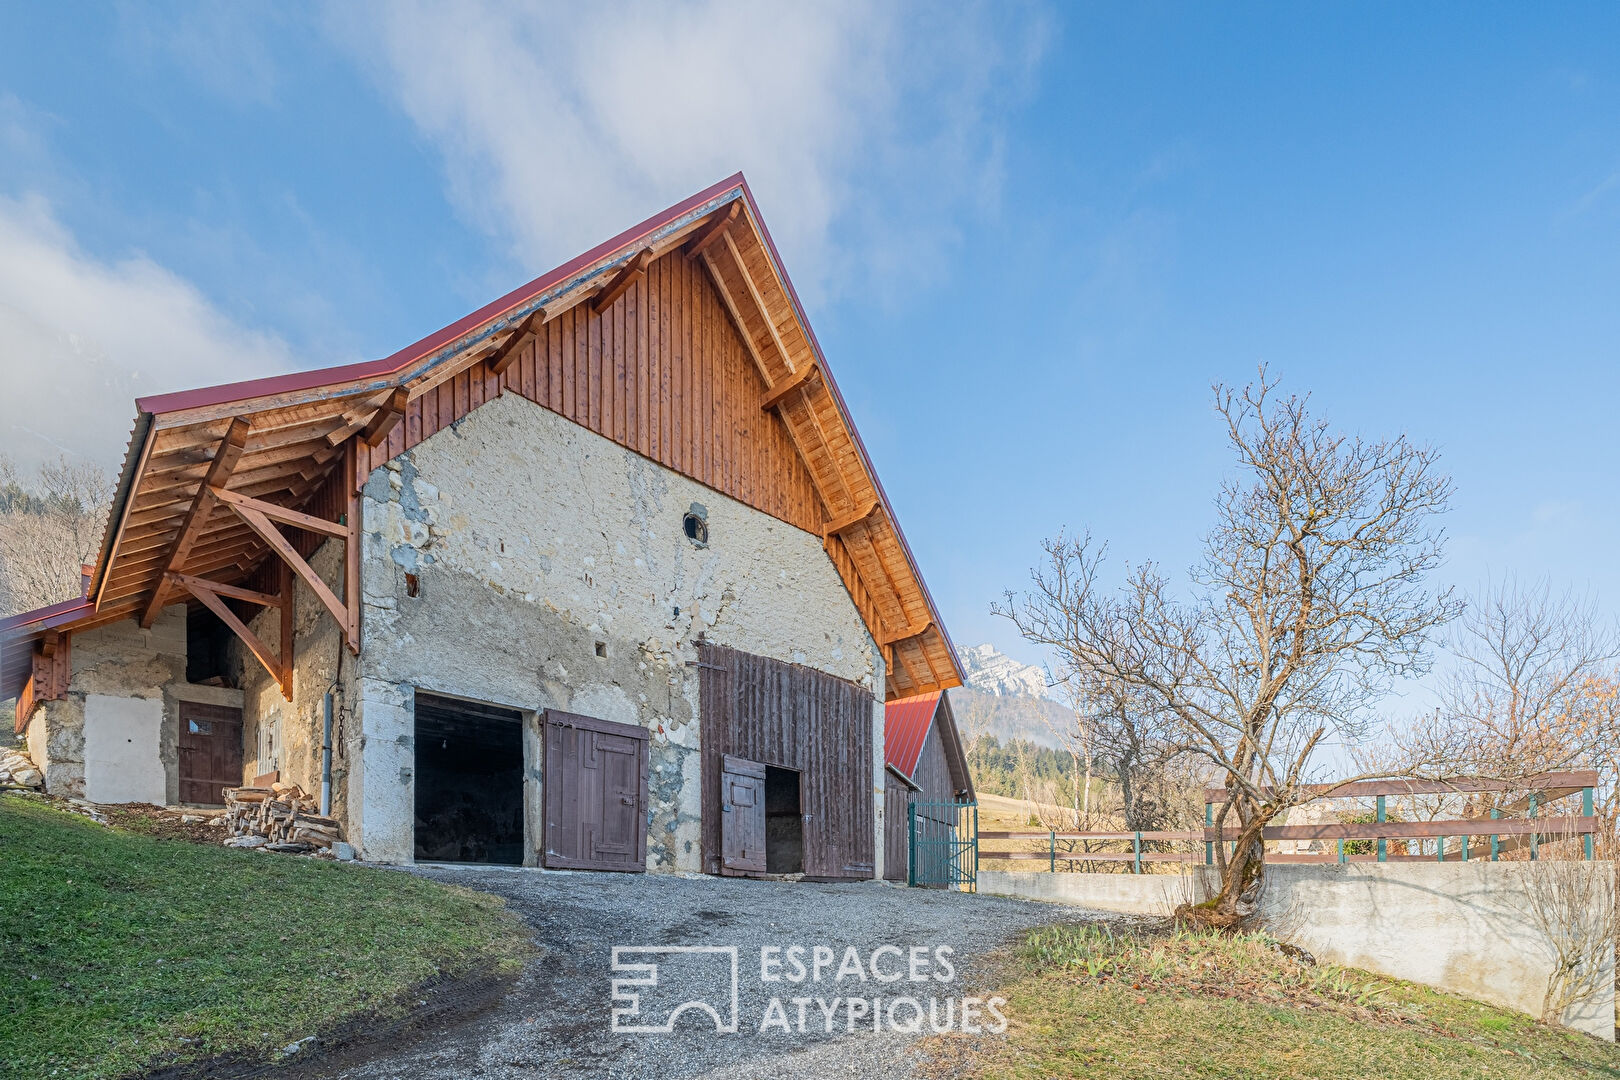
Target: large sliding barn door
595	793
790	716
742	816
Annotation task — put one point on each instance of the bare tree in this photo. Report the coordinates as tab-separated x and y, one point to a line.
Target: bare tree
1572	903
1309	599
50	525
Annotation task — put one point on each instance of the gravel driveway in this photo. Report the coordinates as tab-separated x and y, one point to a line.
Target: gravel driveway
557	1019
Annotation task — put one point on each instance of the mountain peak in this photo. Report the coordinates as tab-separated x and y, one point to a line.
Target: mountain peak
996	673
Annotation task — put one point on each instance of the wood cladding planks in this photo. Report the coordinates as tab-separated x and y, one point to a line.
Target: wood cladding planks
660	371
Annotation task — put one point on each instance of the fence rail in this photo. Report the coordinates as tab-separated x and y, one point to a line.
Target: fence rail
1504	835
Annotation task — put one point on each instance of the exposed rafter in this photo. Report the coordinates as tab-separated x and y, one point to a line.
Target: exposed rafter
793	382
848	521
759	301
713	231
630	273
295	518
384	419
202	506
503	357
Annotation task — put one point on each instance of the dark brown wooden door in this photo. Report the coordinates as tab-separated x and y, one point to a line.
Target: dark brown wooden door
210	752
595	793
742	816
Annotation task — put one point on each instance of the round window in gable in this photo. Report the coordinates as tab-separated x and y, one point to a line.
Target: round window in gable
696	525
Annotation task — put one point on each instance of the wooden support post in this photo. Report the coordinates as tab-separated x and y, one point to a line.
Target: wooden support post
1383	845
848	521
351	554
226	457
286	631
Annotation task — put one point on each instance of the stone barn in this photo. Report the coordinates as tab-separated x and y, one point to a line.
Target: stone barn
599	576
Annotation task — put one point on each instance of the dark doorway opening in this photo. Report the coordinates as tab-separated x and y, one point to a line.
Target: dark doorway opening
208	648
469	782
784	822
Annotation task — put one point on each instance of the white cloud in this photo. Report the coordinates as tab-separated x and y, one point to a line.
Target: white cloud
560	125
82	337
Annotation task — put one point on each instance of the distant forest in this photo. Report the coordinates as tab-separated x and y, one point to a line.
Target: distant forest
1020	769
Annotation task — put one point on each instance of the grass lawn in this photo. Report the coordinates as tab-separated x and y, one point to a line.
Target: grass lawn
121	952
1087	1001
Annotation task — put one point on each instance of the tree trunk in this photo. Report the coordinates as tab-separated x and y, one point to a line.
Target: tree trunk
1242	874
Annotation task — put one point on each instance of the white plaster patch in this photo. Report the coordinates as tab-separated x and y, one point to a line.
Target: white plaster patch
122	756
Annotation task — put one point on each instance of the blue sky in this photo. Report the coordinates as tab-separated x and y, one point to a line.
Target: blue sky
1029	237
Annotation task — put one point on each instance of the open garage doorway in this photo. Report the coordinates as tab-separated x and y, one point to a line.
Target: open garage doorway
469	782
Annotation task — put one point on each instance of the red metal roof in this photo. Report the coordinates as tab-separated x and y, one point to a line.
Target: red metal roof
906	723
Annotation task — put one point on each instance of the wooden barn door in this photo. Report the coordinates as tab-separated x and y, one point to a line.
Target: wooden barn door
595	793
767	712
742	816
210	752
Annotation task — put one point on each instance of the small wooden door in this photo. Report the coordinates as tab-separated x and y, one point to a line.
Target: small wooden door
595	793
742	816
210	752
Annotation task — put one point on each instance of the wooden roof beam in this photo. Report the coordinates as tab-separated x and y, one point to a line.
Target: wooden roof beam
202	506
793	382
297	519
759	301
713	231
280	668
260	523
235	592
507	353
386	418
912	631
838	525
632	272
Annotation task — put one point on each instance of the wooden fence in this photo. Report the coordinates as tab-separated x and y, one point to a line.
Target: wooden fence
1502	835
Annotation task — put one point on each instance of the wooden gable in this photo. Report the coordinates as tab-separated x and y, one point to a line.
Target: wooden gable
680	339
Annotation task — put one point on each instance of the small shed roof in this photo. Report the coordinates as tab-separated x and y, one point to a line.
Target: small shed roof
906	723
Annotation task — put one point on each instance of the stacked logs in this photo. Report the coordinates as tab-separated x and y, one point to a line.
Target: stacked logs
279	818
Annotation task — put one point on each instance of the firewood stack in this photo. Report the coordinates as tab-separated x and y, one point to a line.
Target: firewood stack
280	817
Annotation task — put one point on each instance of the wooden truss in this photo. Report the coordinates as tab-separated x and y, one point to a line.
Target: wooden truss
264	520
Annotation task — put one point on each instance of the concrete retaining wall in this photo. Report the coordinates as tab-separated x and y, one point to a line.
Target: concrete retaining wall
1462	927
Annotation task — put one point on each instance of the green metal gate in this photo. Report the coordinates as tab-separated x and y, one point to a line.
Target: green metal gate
943	842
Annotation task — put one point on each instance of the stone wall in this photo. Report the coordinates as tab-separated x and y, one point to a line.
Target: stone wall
519	559
321	662
114	736
1459	926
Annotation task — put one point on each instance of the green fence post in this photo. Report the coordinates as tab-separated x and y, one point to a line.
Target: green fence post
1383	849
1209	821
975	805
1136	848
1586	812
1341	851
1495	813
1535	838
911	844
1465	849
1439	849
1051	850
